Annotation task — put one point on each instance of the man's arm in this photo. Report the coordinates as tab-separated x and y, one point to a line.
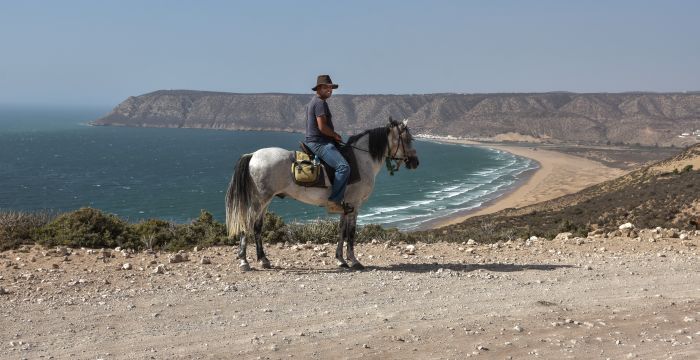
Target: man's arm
326	130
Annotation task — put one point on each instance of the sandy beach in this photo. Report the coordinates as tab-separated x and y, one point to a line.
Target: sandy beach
558	174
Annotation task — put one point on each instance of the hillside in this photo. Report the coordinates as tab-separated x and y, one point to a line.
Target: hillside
630	118
664	194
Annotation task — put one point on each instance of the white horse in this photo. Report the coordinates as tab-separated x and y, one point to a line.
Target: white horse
264	174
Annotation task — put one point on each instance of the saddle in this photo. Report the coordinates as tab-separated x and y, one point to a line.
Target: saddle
305	173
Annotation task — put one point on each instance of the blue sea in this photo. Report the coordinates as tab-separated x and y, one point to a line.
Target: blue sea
51	160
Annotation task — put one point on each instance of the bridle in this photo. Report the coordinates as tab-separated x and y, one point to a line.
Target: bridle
391	167
397	161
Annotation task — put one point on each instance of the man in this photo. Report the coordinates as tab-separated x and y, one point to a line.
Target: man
321	138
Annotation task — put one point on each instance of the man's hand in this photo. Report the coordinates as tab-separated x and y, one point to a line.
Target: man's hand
337	137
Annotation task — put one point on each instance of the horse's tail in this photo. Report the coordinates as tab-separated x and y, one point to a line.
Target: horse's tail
240	198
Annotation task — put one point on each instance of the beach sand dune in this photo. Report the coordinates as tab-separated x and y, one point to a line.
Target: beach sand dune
558	174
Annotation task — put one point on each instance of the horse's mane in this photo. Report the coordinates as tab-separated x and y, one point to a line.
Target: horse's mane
378	141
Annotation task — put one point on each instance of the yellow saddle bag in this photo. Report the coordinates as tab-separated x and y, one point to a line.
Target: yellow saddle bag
304	171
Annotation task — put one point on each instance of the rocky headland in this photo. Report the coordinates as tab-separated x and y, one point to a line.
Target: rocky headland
597	118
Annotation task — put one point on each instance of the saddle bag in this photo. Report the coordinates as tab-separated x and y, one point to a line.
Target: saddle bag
305	172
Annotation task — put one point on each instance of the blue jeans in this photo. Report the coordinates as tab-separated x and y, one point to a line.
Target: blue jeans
330	154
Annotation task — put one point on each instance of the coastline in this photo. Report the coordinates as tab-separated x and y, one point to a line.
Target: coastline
558	174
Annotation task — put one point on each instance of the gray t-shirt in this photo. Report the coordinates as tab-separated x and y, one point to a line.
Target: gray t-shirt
317	107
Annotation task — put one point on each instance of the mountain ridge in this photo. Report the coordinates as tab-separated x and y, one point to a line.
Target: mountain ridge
630	118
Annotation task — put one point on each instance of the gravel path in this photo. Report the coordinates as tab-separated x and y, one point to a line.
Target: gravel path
585	298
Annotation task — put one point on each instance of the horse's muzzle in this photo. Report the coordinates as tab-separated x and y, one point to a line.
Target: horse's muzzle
412	162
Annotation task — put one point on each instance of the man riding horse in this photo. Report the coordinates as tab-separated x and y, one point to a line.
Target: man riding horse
322	139
265	173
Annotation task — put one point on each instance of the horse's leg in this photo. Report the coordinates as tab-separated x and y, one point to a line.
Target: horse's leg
350	227
342	227
243	266
257	230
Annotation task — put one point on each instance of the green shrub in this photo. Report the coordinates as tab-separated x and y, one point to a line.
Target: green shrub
154	233
88	227
374	231
688	168
274	230
204	231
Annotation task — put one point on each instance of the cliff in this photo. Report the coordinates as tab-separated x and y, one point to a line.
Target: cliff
645	118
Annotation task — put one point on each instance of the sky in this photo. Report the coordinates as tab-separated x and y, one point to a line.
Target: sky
101	52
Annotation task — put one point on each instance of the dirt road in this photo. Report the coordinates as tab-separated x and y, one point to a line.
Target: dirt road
588	298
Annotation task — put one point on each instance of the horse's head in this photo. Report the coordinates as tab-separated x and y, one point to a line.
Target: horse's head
401	144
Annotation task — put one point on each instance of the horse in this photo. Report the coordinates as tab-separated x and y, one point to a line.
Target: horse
260	176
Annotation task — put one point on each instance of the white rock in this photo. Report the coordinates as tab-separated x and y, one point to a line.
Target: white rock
626	226
205	260
126	266
177	258
160	269
563	236
471	242
410	249
518	328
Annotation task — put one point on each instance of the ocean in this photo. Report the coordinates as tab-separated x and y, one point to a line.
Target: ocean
51	160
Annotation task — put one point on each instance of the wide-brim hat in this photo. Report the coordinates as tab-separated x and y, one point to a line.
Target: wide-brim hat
324	80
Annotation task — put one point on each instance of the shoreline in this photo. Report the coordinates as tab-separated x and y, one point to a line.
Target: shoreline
558	174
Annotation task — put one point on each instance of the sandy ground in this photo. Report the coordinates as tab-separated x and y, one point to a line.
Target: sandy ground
559	174
591	298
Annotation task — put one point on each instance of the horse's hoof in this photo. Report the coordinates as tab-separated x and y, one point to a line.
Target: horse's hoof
265	264
244	267
342	264
358	266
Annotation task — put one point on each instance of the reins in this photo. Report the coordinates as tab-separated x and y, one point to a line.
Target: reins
391	168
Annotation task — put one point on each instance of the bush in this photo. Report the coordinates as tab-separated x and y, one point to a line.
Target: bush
274	230
92	228
204	231
318	231
88	227
20	228
154	233
374	231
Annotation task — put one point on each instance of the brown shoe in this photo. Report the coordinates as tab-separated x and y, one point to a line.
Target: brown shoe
334	208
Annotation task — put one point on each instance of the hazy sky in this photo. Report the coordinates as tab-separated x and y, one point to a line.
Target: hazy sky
100	52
